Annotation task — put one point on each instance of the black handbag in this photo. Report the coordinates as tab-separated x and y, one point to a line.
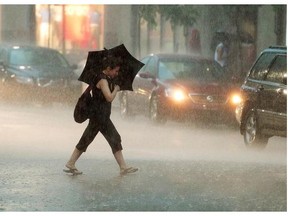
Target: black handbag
82	108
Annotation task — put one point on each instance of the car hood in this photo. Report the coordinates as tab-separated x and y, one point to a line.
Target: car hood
196	87
51	72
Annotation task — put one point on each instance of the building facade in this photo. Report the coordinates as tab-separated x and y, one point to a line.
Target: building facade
75	29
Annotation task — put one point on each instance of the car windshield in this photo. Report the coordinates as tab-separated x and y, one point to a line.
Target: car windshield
34	57
187	69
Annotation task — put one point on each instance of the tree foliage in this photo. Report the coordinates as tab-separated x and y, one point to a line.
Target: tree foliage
185	15
148	13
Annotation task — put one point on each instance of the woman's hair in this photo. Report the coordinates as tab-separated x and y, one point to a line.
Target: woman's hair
111	61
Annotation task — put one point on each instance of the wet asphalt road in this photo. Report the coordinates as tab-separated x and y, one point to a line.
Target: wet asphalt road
182	167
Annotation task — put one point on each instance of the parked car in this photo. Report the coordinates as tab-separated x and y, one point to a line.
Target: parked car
179	86
80	67
37	73
263	110
79	70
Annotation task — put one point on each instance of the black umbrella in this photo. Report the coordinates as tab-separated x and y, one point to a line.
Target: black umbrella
129	67
93	65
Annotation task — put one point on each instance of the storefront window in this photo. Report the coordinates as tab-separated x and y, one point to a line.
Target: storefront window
69	27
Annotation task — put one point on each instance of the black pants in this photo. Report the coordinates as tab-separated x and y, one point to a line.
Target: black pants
107	129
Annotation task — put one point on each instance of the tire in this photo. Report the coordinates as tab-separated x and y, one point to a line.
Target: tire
124	106
252	135
154	114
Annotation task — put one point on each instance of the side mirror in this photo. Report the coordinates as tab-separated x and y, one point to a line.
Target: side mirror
285	80
146	75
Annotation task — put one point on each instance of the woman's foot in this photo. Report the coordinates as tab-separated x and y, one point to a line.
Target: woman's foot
72	169
124	171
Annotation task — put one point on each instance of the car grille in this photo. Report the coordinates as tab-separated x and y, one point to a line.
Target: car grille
208	99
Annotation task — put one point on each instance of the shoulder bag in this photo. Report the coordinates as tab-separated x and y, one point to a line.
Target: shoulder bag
82	108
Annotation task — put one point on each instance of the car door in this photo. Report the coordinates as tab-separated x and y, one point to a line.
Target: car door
260	91
277	78
143	85
253	84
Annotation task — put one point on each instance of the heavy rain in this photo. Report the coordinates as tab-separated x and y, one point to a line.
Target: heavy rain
187	163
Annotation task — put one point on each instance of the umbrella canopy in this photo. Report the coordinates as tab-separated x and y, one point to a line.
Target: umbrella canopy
93	65
128	70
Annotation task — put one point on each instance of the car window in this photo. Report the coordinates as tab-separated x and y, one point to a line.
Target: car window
187	69
151	67
144	61
278	70
29	57
260	68
164	72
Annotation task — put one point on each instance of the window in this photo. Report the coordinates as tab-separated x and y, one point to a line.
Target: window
164	72
278	70
189	70
33	57
260	68
151	67
144	61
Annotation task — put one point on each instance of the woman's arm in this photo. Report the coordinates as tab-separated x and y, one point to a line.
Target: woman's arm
103	85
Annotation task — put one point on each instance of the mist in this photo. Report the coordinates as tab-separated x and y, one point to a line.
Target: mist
183	165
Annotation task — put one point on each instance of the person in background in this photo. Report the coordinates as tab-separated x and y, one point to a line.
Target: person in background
221	53
194	41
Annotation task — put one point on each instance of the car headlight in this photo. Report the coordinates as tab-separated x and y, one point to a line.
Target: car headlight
176	94
24	80
236	99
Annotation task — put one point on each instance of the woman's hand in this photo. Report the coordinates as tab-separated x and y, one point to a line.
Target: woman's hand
117	88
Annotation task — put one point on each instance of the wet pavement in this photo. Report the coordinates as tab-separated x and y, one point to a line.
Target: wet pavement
201	174
39	185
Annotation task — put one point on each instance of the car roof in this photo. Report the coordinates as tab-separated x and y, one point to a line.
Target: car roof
276	49
11	46
180	56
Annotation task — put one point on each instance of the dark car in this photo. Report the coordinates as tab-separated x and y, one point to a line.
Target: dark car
263	111
180	86
37	73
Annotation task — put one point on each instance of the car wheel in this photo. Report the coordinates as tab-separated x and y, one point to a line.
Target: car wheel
124	108
154	114
252	136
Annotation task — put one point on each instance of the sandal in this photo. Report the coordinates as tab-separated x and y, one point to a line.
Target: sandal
72	169
125	171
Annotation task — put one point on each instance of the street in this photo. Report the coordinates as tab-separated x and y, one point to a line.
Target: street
182	167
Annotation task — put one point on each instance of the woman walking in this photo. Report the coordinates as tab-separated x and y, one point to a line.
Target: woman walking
103	93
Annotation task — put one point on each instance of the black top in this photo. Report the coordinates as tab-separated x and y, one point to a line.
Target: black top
101	108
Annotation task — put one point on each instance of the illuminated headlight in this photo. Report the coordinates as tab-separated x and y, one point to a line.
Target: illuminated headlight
236	99
24	80
175	94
